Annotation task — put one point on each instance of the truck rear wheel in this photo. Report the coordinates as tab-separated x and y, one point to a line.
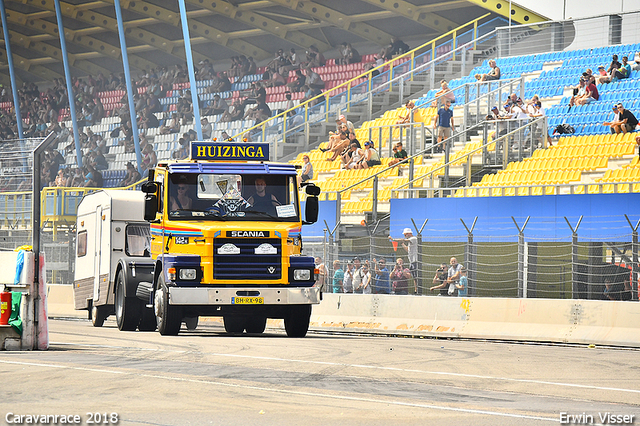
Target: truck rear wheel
234	324
168	318
98	315
127	308
296	323
256	325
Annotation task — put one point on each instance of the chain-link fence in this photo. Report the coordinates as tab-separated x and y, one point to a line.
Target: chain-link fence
521	264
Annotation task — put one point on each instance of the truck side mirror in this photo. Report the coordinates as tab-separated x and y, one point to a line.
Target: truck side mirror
311	210
150	207
149	187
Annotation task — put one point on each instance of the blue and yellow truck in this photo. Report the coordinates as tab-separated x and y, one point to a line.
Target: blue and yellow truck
225	229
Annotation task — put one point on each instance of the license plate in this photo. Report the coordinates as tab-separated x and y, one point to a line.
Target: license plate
247	300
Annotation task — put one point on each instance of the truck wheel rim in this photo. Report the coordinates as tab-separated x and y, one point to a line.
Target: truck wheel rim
158	303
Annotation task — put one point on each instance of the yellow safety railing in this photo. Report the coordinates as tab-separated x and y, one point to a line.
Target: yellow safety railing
369	74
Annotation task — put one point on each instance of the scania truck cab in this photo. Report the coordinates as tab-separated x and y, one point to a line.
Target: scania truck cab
226	240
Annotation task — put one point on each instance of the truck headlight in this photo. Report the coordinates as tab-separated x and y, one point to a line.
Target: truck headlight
187	274
302	274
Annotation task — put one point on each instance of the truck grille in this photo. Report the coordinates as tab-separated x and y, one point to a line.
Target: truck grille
247	265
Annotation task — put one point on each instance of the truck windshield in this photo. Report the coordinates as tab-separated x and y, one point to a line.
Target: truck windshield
233	197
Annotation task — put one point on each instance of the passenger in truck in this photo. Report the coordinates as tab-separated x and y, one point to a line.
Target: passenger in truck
181	201
263	200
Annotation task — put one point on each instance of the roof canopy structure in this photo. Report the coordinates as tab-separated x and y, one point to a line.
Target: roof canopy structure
221	29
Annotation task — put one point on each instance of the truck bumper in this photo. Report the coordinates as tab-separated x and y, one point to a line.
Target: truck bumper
223	296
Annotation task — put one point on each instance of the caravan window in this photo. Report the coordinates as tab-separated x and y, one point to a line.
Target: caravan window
138	240
81	243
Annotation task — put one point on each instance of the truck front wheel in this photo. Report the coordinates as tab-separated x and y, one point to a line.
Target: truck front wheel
296	322
168	318
127	308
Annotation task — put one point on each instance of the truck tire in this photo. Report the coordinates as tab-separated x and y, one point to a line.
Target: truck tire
234	324
147	320
98	315
191	323
168	318
296	322
127	308
256	325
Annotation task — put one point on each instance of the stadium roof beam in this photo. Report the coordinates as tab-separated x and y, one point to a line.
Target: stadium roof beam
92	43
204	30
260	21
346	22
27	65
519	14
418	14
55	53
84	14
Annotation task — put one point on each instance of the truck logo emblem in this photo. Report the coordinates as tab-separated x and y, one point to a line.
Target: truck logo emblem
266	248
252	234
229	249
271	269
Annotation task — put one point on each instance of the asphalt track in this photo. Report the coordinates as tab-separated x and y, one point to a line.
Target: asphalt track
205	377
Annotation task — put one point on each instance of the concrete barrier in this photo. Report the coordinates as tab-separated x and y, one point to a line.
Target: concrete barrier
542	320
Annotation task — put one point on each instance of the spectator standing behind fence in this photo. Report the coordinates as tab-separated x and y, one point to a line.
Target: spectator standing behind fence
453	276
400	278
410	244
357	276
338	278
440	280
381	281
347	282
322	273
463	284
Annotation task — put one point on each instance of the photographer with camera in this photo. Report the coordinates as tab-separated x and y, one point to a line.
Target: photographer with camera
440	279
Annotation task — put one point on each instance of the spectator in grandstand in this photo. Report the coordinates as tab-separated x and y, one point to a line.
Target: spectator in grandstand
440	280
98	160
150	159
259	113
307	170
275	79
313	79
297	83
613	66
314	58
534	107
347	282
591	94
395	47
443	95
207	128
589	77
624	121
323	273
343	120
578	92
92	177
493	74
338	278
218	106
148	120
410	244
131	177
406	115
310	93
224	136
338	143
400	277
636	62
443	122
374	65
236	113
348	54
294	61
352	158
223	84
381	283
624	71
638	143
399	154
182	152
369	158
170	126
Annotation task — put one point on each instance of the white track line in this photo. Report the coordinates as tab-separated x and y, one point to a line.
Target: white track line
285	391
